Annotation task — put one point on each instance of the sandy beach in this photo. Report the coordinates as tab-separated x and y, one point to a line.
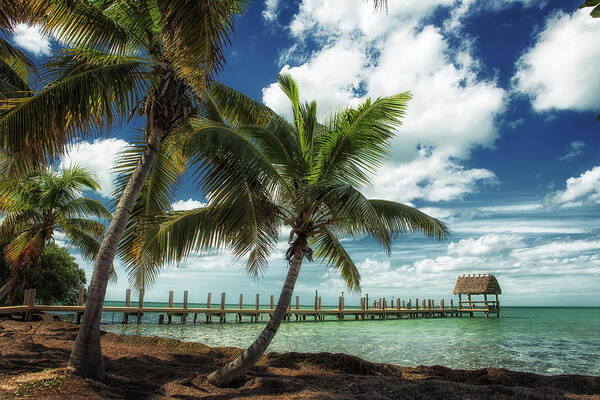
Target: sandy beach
34	355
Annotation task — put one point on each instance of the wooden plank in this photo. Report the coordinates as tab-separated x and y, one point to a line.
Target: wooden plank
31	300
141	299
81	296
26	297
128	298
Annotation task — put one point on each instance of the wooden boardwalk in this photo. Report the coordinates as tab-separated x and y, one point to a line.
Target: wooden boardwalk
379	309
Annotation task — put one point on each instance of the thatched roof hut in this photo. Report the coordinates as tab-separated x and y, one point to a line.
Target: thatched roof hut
477	284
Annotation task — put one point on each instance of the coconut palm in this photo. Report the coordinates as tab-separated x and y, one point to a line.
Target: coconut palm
123	58
37	208
304	175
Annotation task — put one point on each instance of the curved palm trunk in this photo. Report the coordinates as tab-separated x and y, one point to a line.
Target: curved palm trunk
238	367
86	358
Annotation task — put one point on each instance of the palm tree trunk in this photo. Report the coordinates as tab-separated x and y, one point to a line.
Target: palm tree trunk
4	290
86	358
238	367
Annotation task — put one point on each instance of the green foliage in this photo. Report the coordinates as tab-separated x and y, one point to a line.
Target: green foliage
121	58
260	172
595	11
47	202
56	278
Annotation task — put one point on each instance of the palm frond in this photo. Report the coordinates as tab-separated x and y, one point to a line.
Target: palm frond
195	34
399	218
349	210
155	199
182	233
82	240
86	207
81	23
329	250
81	103
358	141
235	108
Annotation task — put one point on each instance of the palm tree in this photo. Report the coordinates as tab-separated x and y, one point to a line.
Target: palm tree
304	175
36	208
123	58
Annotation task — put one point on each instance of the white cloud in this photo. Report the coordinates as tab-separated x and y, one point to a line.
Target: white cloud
575	148
364	53
436	212
487	244
580	190
32	39
557	250
432	176
560	71
97	157
512	208
271	10
188	204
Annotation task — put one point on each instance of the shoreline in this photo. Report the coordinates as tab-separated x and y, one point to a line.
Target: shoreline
34	355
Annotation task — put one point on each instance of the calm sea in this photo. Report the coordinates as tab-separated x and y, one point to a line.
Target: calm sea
545	340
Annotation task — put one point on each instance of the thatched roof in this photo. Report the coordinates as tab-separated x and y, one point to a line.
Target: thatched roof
477	284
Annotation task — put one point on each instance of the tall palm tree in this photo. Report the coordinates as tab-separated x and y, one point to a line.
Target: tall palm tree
123	58
304	175
36	208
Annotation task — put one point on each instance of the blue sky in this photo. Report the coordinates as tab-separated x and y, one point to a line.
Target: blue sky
500	141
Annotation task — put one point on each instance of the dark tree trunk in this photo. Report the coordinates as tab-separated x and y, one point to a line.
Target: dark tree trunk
8	287
86	358
238	367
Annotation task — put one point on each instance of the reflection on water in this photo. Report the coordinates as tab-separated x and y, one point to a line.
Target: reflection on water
542	340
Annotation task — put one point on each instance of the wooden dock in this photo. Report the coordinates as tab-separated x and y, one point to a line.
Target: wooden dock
378	309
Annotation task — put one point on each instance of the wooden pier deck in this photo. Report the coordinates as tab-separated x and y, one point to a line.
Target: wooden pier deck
379	309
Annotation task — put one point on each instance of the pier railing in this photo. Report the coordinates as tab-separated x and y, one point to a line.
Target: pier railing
378	309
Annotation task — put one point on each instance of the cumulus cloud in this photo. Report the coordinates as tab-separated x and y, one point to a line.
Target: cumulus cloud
188	204
555	263
584	189
32	39
575	148
432	176
97	157
367	54
570	81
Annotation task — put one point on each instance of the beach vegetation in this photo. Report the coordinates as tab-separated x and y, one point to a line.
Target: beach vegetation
261	172
37	209
56	278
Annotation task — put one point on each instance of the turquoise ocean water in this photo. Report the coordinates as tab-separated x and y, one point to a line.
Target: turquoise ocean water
545	340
